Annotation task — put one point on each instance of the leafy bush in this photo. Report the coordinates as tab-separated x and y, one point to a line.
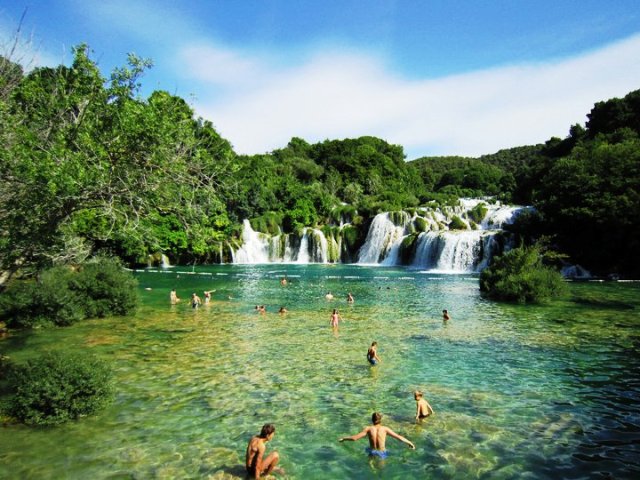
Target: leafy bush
457	224
267	223
57	387
478	212
520	276
420	224
106	287
63	296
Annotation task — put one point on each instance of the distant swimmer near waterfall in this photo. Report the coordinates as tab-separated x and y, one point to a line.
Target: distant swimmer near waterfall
445	315
377	434
173	297
195	301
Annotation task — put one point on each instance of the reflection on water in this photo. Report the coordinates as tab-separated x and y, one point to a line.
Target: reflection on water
551	391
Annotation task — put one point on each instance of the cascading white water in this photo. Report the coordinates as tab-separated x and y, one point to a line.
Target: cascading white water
383	240
261	248
438	248
303	251
255	246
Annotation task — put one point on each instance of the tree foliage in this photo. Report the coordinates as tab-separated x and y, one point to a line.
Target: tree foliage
520	276
62	295
58	387
89	165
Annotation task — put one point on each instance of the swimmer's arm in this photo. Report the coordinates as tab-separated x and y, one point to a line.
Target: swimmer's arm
401	438
355	437
429	409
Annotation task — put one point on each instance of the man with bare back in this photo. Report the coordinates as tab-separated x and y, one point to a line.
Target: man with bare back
377	434
257	466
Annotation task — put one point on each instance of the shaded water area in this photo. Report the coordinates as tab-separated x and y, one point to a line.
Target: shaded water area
519	391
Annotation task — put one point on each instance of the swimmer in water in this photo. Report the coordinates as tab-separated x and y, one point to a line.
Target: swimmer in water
423	409
372	354
377	434
335	318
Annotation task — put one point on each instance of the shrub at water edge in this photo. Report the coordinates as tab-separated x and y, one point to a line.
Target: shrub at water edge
57	387
63	296
520	276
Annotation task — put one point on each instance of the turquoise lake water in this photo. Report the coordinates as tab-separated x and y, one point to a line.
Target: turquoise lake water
518	391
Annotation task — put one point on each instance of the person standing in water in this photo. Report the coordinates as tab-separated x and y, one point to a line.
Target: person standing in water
372	354
207	296
195	301
173	297
335	318
423	409
256	463
377	434
350	298
445	315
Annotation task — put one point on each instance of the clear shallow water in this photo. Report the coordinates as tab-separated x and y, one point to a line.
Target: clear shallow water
519	391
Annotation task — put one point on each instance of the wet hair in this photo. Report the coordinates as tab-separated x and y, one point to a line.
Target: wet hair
335	310
373	344
418	394
444	311
267	429
376	418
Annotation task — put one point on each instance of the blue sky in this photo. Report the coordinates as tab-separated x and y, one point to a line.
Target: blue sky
438	77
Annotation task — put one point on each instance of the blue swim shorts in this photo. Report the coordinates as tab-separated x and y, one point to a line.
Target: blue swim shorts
377	453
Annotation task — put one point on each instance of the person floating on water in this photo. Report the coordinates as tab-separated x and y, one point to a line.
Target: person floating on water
335	318
195	301
377	434
350	298
445	315
173	297
283	281
372	354
257	465
329	296
423	409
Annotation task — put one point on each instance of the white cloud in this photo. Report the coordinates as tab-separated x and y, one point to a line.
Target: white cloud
337	95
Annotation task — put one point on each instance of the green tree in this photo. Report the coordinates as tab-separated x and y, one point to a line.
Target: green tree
520	276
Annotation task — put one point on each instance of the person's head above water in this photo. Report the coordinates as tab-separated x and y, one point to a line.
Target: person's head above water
417	394
376	418
267	429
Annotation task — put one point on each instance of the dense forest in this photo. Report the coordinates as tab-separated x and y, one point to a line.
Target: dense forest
89	166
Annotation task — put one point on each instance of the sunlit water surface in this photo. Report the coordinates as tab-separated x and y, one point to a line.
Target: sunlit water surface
519	391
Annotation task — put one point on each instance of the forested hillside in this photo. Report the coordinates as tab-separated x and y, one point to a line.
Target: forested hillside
88	165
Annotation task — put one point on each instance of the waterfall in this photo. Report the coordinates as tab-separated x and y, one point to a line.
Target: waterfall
164	261
383	240
262	248
255	246
438	247
303	251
